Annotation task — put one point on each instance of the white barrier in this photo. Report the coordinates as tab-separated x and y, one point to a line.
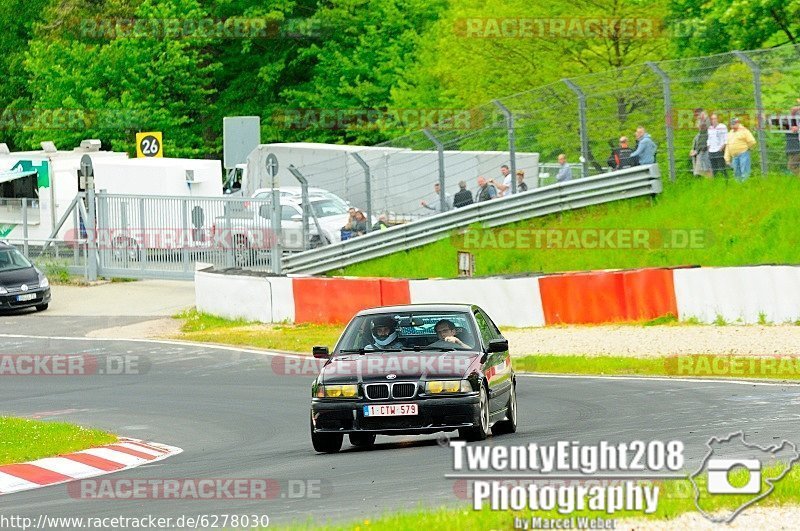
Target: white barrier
253	298
738	294
508	301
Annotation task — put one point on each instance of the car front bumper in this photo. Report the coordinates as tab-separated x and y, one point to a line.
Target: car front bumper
11	302
434	415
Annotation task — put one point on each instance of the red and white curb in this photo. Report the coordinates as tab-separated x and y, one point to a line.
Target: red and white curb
122	455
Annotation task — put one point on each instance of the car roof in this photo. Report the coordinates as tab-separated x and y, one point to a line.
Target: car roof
430	307
6	245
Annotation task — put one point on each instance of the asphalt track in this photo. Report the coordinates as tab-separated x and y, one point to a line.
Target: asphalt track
235	417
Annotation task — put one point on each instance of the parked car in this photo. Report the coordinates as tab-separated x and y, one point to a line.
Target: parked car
22	285
414	369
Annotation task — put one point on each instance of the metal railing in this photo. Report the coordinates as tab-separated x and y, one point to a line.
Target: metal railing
623	184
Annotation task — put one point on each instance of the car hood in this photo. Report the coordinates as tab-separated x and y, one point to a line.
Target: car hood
15	277
407	365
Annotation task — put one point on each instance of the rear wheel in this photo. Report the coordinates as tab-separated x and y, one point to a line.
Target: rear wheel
509	424
481	431
326	443
362	440
242	254
318	241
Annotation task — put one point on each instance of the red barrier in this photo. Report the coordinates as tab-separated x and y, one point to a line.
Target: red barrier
649	293
333	300
394	292
337	300
607	297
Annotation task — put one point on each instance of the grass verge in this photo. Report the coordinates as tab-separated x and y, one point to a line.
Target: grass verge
676	497
206	328
738	224
25	440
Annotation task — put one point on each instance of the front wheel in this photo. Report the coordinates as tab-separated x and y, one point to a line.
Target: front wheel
42	307
509	424
481	431
326	443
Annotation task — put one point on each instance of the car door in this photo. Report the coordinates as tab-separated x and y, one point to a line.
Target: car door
497	366
291	227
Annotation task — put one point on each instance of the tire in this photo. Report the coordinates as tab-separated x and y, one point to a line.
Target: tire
481	431
362	440
242	254
125	249
318	241
326	443
509	424
42	307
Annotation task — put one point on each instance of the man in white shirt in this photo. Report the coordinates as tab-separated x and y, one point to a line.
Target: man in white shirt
505	188
717	138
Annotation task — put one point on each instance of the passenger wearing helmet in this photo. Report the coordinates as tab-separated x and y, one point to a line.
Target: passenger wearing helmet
384	334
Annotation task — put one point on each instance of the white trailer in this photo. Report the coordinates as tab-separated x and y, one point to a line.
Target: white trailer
49	179
159	176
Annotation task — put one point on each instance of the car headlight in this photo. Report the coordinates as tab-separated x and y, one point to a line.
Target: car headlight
43	282
437	387
3	290
337	391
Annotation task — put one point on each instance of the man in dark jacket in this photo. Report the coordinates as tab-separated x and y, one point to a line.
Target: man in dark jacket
485	190
463	197
621	156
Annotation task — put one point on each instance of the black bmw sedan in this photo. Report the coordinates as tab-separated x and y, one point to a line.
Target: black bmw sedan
414	369
22	285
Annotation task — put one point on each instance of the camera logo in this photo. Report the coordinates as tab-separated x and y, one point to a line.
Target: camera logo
721	472
738	469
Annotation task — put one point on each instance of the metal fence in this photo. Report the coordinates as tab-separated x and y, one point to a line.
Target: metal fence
584	118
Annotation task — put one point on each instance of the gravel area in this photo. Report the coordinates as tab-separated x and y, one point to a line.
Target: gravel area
762	518
640	341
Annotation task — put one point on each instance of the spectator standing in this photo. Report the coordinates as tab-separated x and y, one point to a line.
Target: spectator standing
564	171
737	150
793	143
486	190
717	138
621	157
436	202
645	151
701	162
505	187
463	197
522	186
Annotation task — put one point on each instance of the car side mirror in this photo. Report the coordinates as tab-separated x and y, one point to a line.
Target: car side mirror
321	353
498	345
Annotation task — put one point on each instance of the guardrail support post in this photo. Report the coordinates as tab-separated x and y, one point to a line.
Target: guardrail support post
440	149
666	83
512	148
583	127
762	137
368	182
25	226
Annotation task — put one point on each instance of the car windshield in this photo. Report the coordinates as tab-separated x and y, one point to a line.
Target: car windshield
327	207
11	259
409	331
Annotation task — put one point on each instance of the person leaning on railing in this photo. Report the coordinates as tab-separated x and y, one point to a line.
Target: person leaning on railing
463	197
486	190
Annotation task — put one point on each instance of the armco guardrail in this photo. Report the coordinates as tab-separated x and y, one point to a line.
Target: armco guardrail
623	184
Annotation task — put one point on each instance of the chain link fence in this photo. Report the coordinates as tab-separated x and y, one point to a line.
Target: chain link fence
584	118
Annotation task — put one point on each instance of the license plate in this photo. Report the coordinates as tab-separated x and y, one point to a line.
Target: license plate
391	410
26	297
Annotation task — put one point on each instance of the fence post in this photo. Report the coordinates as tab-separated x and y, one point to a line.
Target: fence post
91	229
666	83
512	147
25	226
368	182
306	207
440	149
185	234
762	137
584	132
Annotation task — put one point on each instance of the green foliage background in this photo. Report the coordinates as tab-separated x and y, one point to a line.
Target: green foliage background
80	56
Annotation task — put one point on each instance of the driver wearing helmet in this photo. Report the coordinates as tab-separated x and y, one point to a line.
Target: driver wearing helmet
384	334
